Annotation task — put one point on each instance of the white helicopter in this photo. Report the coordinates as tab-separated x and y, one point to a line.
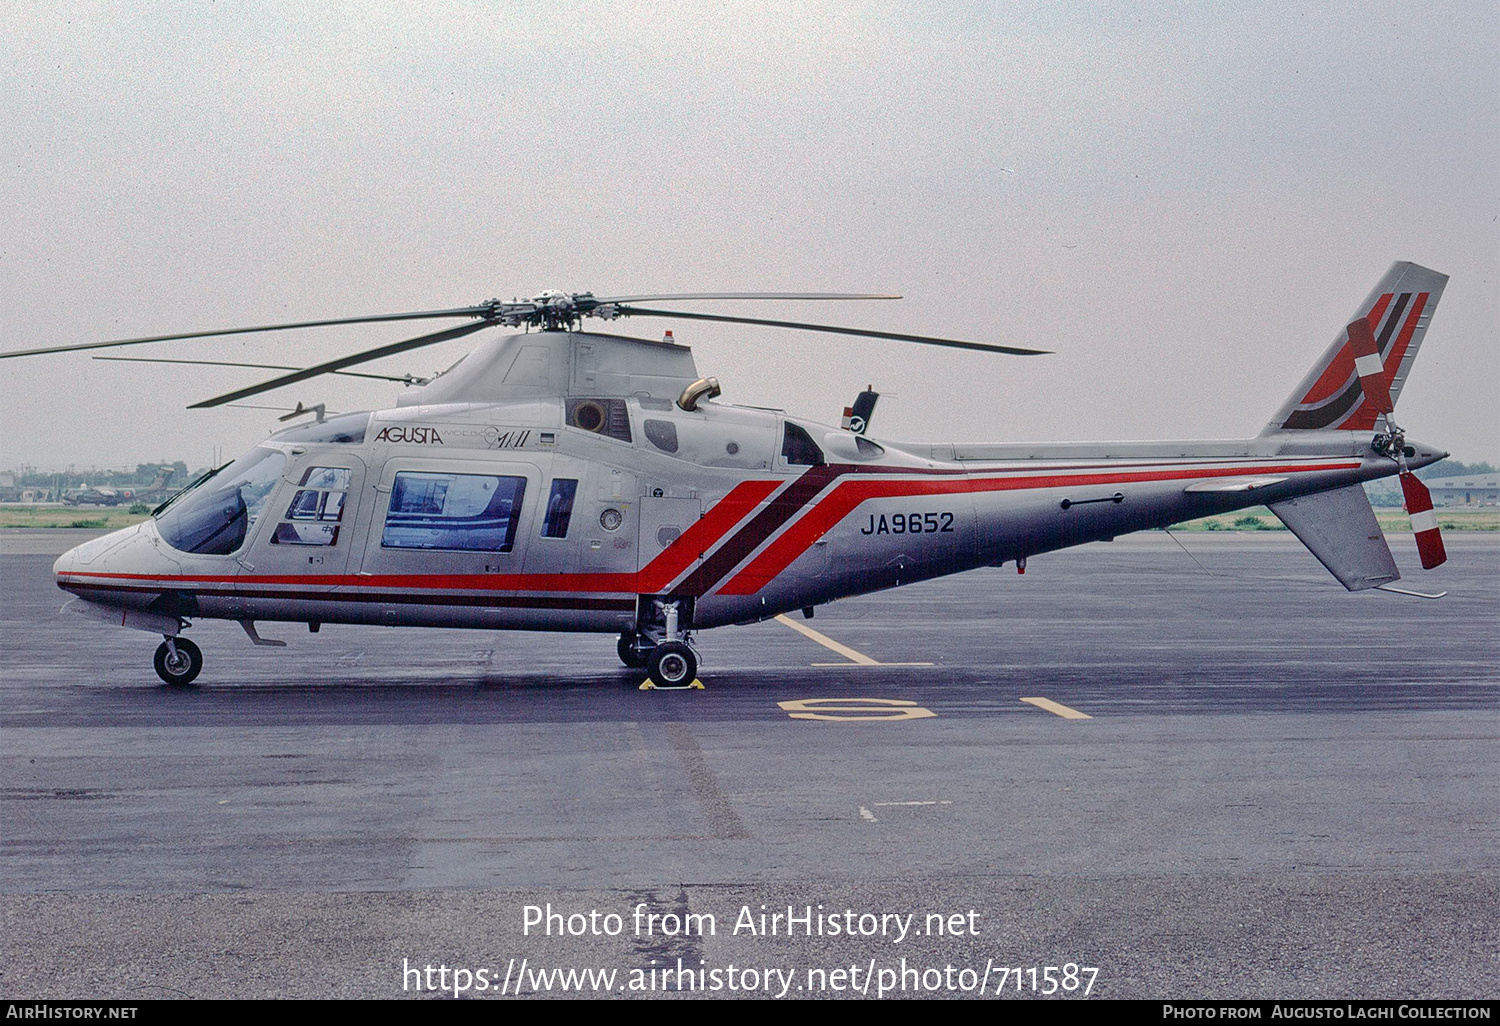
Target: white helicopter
563	480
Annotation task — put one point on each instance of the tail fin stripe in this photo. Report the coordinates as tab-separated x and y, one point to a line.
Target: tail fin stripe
1336	377
1346	409
1393	364
1330	412
1390	325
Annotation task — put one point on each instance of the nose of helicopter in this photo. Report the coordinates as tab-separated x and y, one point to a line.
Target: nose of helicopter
128	550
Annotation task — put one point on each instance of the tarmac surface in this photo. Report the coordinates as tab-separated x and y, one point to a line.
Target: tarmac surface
1281	790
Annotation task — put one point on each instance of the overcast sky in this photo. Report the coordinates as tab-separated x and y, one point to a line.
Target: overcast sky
1185	201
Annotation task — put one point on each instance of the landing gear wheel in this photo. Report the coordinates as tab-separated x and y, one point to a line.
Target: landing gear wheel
629	654
181	669
673	665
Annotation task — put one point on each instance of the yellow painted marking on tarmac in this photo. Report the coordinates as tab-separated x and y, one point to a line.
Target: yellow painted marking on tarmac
844	650
851	665
852	709
1057	709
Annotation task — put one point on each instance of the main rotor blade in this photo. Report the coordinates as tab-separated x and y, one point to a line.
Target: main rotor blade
278	409
466	311
739	295
407	379
344	361
628	311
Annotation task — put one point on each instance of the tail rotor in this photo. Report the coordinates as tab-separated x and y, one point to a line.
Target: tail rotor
1373	383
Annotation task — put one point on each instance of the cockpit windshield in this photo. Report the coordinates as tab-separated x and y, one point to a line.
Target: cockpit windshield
214	517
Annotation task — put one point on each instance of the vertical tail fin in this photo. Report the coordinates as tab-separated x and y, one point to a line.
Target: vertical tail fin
1397	313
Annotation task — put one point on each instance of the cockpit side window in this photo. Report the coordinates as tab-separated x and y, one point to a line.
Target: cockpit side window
662	434
798	448
214	518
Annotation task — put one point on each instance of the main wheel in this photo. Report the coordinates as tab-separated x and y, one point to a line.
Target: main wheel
629	654
673	665
184	667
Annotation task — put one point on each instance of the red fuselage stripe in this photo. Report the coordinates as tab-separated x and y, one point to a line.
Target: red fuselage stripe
703	535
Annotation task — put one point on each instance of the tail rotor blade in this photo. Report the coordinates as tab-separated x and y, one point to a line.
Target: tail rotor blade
1368	365
1424	523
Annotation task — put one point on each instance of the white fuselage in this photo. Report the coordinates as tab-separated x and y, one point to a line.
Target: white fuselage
702	506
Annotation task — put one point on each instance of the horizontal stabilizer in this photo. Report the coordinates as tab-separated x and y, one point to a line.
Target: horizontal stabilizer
1339	527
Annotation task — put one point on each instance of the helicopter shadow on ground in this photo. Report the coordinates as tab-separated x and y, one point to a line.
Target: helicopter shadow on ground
369	695
421	699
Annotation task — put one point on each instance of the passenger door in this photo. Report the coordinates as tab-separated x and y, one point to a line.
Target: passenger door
309	526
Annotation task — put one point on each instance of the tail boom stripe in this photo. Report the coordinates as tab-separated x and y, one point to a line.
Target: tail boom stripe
848	495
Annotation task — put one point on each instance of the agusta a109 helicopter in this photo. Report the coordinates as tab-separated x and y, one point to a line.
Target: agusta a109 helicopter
564	480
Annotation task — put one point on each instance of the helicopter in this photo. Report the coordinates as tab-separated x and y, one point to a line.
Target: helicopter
558	479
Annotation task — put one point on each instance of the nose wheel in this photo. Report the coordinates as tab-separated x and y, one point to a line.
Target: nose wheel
178	661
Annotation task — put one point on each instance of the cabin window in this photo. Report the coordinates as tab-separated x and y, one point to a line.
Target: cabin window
467	512
798	448
316	509
559	508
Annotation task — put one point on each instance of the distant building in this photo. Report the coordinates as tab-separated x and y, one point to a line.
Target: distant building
1466	490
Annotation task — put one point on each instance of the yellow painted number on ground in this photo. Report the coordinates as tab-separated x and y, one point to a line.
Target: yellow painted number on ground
854	709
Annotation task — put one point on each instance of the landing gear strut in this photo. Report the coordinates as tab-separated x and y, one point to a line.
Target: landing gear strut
178	661
663	647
